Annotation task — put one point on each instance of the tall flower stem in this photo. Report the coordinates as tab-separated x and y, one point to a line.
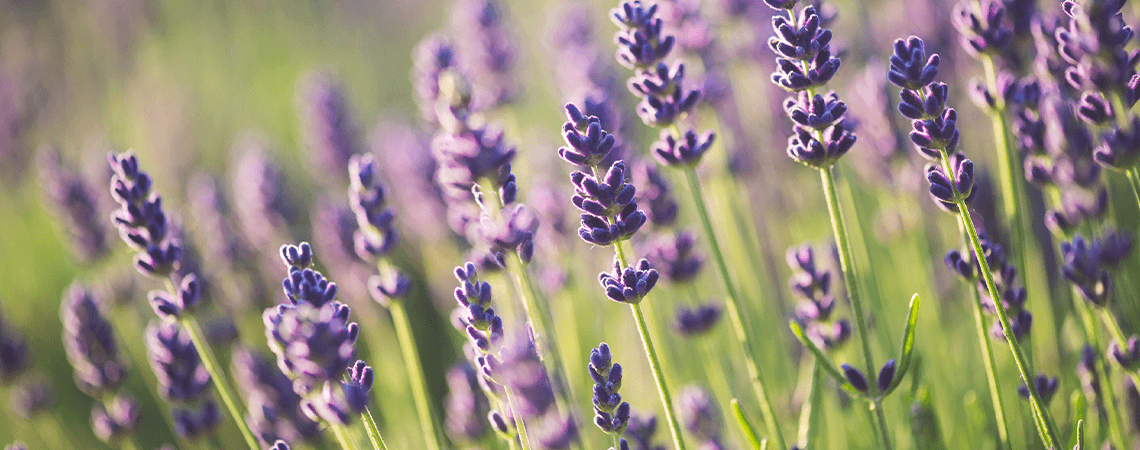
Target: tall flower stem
851	279
1044	420
341	434
415	371
991	366
1134	181
210	362
524	438
810	414
754	374
373	430
1117	333
1100	368
654	363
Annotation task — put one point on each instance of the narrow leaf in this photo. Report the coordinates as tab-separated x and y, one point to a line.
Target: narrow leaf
746	427
907	346
1080	435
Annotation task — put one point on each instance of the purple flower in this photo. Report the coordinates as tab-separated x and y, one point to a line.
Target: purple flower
641	44
664	100
608	205
89	339
1121	147
466	405
376	234
328	126
264	208
981	28
467	157
686	151
587	143
910	69
1086	264
673	256
700	415
432	57
1044	386
657	192
803	52
274	409
949	189
31	397
629	284
855	378
140	217
73	201
488	51
1126	357
15	356
611	414
182	377
641	429
117	419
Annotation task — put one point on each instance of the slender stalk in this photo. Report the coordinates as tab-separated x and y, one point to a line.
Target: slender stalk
524	438
991	369
754	373
190	324
373	430
809	415
1134	181
415	372
851	279
342	436
654	363
1100	368
1046	429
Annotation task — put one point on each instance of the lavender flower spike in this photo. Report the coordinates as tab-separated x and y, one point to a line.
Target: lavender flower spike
629	284
90	343
140	217
328	125
74	202
611	414
182	379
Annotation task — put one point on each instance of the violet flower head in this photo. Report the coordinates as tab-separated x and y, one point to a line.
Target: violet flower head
32	397
116	419
608	205
948	190
478	319
466	405
982	29
1127	358
803	51
664	99
629	284
640	430
556	432
432	57
696	321
1046	387
641	44
89	339
657	192
1087	264
339	401
699	415
73	201
611	414
467	157
685	151
488	51
674	256
813	284
140	217
1120	149
910	68
15	355
274	408
182	379
263	206
376	234
169	305
587	144
523	373
331	135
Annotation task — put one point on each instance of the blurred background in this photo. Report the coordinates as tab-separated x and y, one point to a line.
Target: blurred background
214	95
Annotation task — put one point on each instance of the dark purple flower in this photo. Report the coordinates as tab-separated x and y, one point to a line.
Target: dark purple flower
337	402
31	397
949	189
467	157
117	419
478	319
1021	322
664	99
1128	357
611	414
90	342
182	378
855	378
194	422
587	143
673	255
641	429
629	284
641	44
656	191
274	409
910	69
376	234
1121	147
326	118
823	150
685	151
886	375
608	205
140	217
488	51
466	405
73	201
172	305
803	51
1082	265
982	27
15	355
522	372
699	414
1044	386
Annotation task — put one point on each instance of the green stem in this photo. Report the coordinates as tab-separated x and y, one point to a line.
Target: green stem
415	372
991	368
524	438
342	436
1100	368
373	430
190	324
809	414
1134	181
881	423
1046	428
735	317
851	279
654	363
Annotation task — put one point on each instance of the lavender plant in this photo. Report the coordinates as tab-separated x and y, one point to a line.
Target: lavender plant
143	224
951	176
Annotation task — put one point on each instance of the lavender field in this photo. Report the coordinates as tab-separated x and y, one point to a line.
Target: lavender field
586	225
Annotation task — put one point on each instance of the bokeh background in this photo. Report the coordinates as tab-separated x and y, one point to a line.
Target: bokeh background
193	86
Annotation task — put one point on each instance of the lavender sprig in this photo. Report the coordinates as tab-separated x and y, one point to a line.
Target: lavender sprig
72	199
143	225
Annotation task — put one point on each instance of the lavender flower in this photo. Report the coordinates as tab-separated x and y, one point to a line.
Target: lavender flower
376	234
1126	357
182	379
140	217
431	58
90	342
117	419
981	26
641	45
674	256
813	284
629	284
699	414
608	205
1046	387
274	409
31	397
328	126
611	414
641	429
466	405
663	208
72	200
15	356
488	51
697	321
263	205
1086	264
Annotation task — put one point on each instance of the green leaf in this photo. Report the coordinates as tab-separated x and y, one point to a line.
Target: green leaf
1080	407
746	427
1080	435
907	346
824	361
